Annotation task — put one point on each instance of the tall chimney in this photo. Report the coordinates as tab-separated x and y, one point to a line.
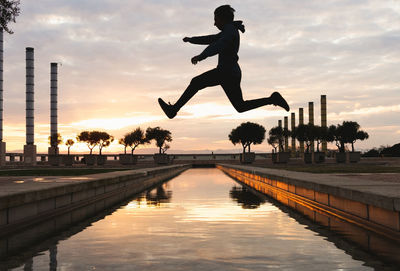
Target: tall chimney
30	148
53	150
301	121
311	120
286	128
292	127
324	120
2	144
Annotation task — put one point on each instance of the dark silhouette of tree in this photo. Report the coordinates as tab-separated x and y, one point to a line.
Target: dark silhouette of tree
123	142
90	138
69	143
55	140
307	133
273	141
393	151
246	134
322	134
372	153
351	133
158	196
9	10
336	133
277	137
160	136
104	139
245	198
135	138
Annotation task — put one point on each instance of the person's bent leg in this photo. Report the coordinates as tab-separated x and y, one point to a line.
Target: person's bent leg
232	89
207	79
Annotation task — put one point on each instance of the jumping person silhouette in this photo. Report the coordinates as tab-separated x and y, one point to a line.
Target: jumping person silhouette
227	73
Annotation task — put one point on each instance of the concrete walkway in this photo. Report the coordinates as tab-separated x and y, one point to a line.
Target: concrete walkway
381	190
28	200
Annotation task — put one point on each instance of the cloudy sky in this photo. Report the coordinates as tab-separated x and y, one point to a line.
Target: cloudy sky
118	56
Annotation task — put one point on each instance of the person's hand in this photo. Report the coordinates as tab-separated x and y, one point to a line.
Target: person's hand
195	59
186	39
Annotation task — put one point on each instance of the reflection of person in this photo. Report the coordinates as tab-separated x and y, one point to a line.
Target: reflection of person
227	73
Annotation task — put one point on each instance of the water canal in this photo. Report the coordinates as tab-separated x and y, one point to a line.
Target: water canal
200	220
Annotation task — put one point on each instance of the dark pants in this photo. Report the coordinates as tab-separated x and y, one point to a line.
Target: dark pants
229	81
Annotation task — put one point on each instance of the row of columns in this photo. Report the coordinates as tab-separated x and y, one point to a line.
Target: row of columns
30	150
301	121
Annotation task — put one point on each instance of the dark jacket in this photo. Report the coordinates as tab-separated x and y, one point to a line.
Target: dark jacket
226	44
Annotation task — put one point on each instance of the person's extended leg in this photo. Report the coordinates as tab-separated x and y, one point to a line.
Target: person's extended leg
207	79
231	86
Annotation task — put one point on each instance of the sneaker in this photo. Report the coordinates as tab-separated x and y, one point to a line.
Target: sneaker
278	100
167	108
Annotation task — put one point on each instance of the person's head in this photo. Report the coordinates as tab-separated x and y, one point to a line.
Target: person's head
223	15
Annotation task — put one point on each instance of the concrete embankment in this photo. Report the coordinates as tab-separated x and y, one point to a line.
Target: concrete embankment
26	202
369	204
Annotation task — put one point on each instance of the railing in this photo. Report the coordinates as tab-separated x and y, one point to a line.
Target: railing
44	157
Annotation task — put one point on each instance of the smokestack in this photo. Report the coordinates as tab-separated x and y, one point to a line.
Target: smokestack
292	127
2	144
286	128
311	120
30	148
53	150
30	96
301	121
324	122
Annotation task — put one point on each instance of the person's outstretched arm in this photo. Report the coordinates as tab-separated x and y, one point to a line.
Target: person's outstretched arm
203	40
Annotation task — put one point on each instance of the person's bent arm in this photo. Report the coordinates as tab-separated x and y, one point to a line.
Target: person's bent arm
225	38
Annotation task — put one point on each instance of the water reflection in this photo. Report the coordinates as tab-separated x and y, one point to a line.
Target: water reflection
245	197
41	240
158	196
191	223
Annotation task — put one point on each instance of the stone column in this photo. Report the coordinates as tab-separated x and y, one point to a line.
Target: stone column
53	149
2	144
292	127
30	148
301	121
324	122
286	128
311	120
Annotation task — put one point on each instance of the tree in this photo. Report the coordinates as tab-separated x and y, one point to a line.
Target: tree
161	136
273	141
277	137
123	142
55	140
69	143
103	138
306	133
335	132
9	10
246	134
136	138
393	151
351	132
88	138
322	134
372	153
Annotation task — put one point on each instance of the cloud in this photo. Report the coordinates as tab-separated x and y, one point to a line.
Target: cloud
119	56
